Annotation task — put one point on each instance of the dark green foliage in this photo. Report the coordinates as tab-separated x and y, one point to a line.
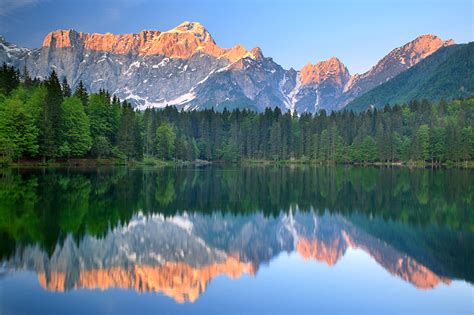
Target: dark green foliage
420	131
128	136
18	131
448	73
76	135
9	79
66	88
165	141
49	120
105	121
81	93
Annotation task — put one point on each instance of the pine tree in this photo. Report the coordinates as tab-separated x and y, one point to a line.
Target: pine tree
193	151
395	146
81	93
128	140
275	141
324	146
181	147
66	88
9	79
27	81
149	141
49	121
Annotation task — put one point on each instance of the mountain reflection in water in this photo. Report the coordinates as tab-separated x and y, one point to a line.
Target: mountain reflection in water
173	231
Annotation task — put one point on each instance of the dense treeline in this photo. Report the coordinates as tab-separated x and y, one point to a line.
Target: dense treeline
46	120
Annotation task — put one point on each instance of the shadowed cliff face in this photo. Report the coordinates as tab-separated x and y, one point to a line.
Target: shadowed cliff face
180	255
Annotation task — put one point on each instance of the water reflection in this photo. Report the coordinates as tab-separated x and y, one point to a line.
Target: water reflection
173	231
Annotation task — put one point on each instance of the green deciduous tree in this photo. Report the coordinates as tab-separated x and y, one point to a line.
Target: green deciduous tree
101	147
438	148
75	128
368	150
423	143
165	141
467	143
18	131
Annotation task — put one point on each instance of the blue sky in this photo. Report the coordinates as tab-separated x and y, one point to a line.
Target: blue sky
292	32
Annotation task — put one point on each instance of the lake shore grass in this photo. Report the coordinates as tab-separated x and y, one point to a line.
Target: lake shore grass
92	162
155	162
421	164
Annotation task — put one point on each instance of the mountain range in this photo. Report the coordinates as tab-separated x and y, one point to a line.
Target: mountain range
184	67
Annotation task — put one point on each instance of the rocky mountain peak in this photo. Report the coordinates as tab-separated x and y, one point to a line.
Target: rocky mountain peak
256	53
328	70
396	61
409	54
195	28
420	48
182	42
62	38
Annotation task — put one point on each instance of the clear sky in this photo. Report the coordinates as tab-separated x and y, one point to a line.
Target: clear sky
292	32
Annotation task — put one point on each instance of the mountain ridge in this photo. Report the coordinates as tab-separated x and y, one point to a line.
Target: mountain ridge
186	68
441	76
182	41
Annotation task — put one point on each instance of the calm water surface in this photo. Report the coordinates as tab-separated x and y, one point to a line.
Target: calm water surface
254	240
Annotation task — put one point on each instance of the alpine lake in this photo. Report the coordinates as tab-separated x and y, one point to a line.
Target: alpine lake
237	240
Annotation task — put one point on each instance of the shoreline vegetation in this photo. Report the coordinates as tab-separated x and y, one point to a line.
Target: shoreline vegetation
45	123
154	162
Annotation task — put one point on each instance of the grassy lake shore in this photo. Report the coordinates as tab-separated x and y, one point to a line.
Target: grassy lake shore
155	162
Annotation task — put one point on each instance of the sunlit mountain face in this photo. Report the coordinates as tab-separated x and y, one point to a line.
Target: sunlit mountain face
175	231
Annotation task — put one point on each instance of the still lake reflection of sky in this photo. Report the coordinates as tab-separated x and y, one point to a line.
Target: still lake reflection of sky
238	241
288	285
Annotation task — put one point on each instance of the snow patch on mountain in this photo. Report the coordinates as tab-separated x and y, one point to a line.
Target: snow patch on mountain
292	96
